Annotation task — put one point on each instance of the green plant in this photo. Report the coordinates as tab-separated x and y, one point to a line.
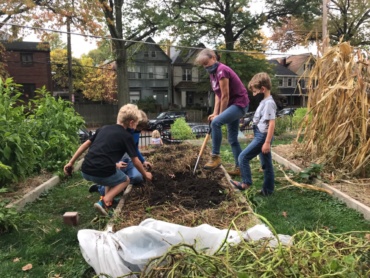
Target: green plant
298	117
8	218
54	124
181	130
311	172
19	150
282	125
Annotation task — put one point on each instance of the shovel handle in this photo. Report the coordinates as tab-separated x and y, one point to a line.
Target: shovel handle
202	149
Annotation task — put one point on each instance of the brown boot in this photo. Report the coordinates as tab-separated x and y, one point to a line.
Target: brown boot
213	163
234	172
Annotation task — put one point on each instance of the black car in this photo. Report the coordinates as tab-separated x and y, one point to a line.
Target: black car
84	134
285	112
165	120
245	122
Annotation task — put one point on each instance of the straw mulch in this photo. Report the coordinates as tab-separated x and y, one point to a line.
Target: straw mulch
337	126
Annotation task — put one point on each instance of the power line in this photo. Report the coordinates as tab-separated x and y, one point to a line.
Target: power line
142	42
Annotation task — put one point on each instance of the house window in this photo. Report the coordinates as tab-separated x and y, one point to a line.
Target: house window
134	72
154	54
161	72
150	72
134	96
186	74
28	91
289	82
27	59
280	82
146	54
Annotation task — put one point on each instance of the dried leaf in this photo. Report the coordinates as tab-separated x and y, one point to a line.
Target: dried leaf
15	260
285	214
367	236
27	267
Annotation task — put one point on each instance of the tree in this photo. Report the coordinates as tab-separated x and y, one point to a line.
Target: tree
99	83
347	21
102	53
59	67
130	21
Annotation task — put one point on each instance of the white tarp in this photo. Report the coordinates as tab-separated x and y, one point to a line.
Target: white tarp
128	250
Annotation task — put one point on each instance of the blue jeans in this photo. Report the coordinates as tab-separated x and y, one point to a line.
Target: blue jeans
231	117
135	176
250	152
117	178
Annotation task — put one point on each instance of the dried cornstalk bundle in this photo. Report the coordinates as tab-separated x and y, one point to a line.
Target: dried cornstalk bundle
338	134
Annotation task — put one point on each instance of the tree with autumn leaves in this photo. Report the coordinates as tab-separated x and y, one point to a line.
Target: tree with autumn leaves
229	23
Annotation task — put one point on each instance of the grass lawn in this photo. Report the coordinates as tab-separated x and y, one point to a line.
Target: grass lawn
293	209
43	240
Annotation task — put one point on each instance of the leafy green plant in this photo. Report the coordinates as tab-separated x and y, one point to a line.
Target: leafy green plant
8	218
19	149
298	117
311	172
181	130
282	125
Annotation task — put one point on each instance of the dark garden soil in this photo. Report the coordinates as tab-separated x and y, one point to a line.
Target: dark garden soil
176	195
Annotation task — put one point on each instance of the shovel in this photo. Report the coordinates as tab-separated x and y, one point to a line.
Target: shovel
202	149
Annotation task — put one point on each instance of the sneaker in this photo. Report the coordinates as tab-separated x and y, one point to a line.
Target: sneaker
94	188
213	163
102	208
234	172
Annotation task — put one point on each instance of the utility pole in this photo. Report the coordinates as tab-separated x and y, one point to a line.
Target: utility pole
69	58
324	25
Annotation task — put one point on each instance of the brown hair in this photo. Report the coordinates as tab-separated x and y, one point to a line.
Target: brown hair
259	80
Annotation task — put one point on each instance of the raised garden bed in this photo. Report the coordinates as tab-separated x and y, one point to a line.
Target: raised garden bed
177	196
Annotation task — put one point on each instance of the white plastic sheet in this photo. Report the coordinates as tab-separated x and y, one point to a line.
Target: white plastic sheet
127	250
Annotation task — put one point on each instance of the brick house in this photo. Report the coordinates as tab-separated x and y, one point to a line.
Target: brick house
28	63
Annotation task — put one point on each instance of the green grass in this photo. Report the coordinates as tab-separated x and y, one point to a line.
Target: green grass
291	209
43	240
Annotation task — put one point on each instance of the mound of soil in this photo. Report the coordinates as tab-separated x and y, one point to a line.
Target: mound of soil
177	195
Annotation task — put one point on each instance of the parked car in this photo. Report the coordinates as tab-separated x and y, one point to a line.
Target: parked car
200	130
286	111
165	119
245	122
84	134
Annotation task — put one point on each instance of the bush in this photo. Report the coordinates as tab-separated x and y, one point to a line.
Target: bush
282	125
8	218
181	130
43	136
298	117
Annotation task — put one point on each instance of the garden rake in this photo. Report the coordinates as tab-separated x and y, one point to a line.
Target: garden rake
202	149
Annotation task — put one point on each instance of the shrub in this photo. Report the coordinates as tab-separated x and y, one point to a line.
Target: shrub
298	117
8	218
43	136
282	125
181	130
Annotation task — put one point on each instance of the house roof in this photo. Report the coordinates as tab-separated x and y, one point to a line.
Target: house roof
280	69
26	46
295	62
189	85
186	55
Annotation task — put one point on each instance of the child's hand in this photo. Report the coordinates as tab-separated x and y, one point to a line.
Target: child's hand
68	169
266	148
148	165
121	165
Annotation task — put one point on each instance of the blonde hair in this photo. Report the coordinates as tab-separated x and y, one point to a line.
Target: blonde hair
143	123
156	134
259	80
204	56
127	113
